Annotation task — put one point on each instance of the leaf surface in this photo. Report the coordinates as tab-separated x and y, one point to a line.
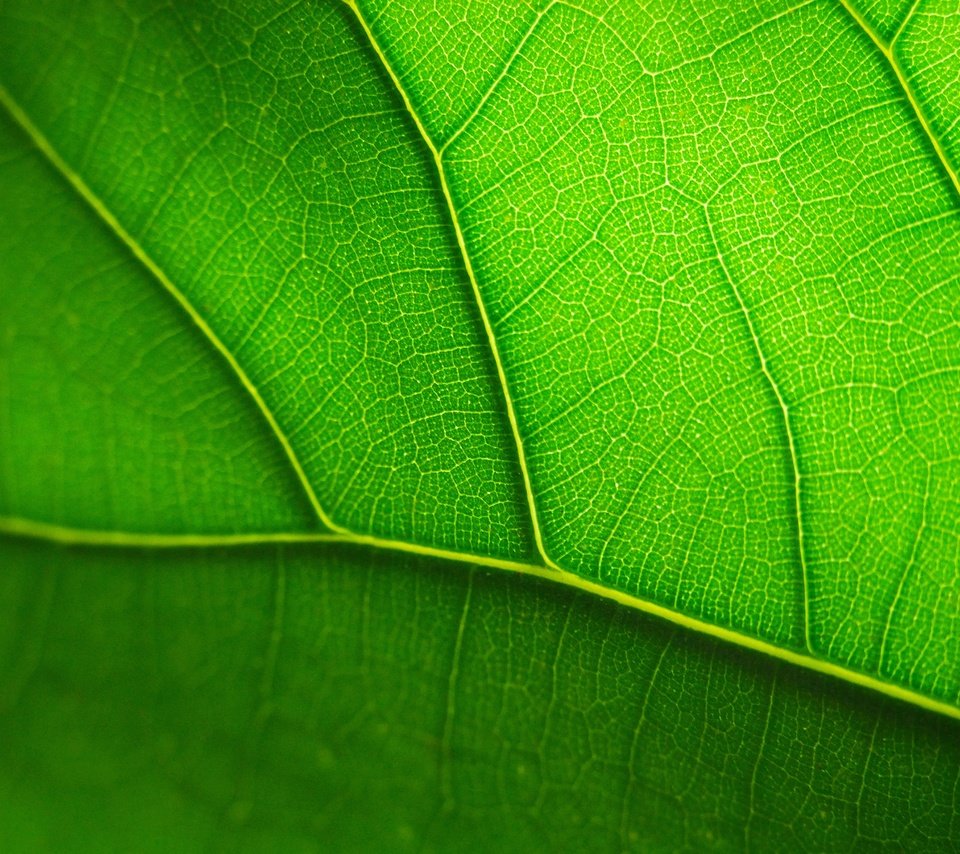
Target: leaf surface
659	304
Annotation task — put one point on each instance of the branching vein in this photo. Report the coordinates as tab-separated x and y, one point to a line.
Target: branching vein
110	220
471	275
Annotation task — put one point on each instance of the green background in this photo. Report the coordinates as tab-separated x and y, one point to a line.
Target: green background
660	301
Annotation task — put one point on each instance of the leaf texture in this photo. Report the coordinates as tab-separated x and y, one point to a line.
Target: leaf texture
659	303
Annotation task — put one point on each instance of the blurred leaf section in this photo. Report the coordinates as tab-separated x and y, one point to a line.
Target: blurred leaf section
371	703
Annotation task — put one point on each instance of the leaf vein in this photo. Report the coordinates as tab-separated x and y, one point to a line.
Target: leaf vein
53	157
31	529
471	275
888	51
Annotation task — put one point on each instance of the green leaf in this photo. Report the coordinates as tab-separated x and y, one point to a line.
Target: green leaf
357	366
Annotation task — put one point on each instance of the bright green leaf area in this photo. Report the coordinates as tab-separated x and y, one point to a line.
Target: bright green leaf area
315	318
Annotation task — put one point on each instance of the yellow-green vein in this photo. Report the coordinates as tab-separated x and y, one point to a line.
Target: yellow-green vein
471	275
888	51
44	146
119	539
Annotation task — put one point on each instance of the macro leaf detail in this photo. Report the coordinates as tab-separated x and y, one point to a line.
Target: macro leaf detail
661	304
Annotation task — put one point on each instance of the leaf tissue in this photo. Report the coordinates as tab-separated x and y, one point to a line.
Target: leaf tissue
497	426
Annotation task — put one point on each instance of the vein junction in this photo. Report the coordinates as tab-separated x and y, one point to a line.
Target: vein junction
595	250
437	156
118	539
